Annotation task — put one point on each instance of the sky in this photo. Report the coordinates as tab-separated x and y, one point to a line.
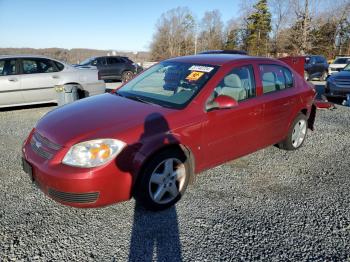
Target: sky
96	24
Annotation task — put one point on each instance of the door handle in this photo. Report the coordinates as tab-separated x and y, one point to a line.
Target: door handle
55	77
13	79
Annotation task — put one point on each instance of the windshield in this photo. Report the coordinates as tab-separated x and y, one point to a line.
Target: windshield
342	60
347	68
168	84
86	61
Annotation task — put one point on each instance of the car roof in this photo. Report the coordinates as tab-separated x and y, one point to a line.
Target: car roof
217	59
25	56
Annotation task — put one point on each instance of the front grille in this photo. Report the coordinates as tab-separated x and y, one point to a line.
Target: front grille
43	146
39	150
81	198
46	141
342	83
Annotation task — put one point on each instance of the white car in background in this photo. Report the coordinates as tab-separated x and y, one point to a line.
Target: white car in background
29	79
338	64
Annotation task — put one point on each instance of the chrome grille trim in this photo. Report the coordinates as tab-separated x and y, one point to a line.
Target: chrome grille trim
81	198
40	151
46	142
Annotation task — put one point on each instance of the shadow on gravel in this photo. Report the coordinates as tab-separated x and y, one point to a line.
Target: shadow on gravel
14	108
155	236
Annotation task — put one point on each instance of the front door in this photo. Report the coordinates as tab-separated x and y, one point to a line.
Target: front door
39	76
230	133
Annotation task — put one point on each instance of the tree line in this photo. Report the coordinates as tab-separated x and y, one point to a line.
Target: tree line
265	28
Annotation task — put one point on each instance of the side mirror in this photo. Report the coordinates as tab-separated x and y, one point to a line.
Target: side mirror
222	102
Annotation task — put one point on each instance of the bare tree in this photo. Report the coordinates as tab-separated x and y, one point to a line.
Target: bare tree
211	35
280	10
174	34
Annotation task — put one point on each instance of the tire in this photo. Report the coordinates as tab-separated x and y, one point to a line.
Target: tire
163	181
127	75
296	134
306	76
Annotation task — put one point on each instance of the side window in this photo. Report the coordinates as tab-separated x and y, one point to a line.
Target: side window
113	60
101	61
30	66
46	66
7	67
275	78
238	84
94	62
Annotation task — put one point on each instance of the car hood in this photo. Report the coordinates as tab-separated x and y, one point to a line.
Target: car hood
102	116
337	65
341	75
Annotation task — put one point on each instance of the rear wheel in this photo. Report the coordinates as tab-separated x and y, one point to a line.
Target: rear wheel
163	181
296	135
126	76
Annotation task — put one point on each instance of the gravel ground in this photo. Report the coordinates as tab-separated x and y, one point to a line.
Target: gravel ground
271	205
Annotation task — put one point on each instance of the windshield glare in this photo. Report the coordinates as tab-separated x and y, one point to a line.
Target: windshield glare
169	84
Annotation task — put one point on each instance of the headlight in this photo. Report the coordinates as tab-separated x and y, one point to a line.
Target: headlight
93	153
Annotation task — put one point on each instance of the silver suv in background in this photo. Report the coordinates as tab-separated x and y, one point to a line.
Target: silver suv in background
28	79
338	64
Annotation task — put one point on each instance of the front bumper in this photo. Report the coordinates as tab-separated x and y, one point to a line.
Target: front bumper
333	90
78	187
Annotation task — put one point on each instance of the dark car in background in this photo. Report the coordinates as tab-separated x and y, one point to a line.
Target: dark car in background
338	84
113	67
316	66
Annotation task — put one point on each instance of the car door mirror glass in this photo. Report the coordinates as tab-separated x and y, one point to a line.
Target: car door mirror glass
222	102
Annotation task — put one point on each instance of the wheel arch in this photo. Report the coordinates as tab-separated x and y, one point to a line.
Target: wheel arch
176	146
82	93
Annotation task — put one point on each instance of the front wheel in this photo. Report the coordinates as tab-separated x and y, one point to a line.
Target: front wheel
296	134
163	180
126	76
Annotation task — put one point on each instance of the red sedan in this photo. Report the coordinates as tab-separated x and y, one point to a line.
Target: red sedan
151	136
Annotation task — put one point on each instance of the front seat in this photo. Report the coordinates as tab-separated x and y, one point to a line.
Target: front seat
233	87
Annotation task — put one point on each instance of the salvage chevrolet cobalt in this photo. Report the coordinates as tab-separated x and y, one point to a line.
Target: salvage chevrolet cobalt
151	136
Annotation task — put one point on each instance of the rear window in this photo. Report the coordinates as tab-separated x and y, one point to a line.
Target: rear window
59	66
275	78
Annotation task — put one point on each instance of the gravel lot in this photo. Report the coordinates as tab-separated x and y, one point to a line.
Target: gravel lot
271	205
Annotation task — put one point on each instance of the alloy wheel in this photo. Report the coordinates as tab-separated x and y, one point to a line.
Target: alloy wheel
167	181
299	133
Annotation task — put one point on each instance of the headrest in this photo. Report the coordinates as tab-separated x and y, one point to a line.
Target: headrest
269	77
233	80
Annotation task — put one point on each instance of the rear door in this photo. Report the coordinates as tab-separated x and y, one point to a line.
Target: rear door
115	66
10	83
39	76
279	99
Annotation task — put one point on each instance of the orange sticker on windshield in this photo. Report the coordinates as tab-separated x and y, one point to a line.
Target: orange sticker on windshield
194	76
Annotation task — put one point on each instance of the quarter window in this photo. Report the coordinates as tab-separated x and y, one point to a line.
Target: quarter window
238	84
275	78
